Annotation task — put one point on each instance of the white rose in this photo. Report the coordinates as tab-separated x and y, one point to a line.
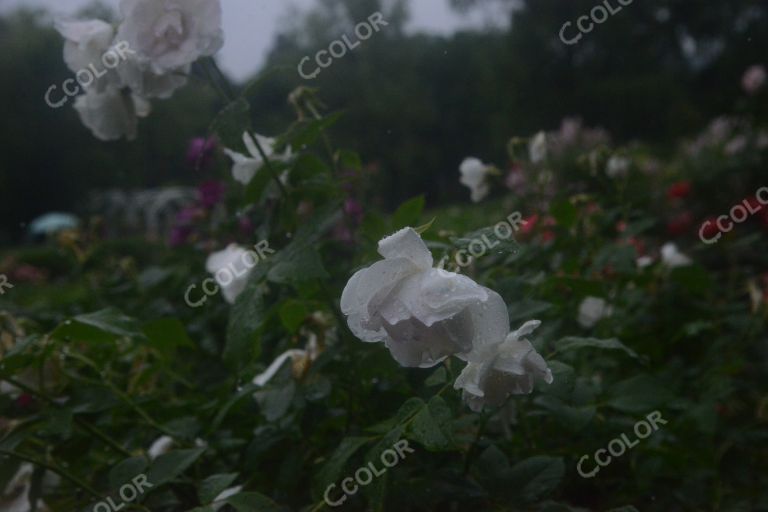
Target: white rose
497	370
473	175
422	314
161	445
537	148
231	268
592	310
617	166
672	257
171	34
246	166
112	114
85	44
144	82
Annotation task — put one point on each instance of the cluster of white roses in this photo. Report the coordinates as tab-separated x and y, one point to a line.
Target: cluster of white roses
162	39
425	314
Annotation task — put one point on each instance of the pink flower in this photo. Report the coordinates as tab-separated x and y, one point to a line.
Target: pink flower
753	79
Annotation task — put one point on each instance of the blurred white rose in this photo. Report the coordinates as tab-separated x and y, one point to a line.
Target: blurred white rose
672	257
753	79
171	34
422	314
537	148
617	166
497	370
592	310
160	446
85	43
473	175
148	84
16	495
112	114
244	167
231	267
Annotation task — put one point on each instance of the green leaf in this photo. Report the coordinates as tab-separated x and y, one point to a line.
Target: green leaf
536	477
408	213
564	213
292	314
332	470
349	160
103	325
126	470
170	465
639	394
574	342
438	377
430	426
253	502
230	124
167	334
246	318
214	485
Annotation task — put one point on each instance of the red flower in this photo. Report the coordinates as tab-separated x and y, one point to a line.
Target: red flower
529	223
710	229
680	224
679	190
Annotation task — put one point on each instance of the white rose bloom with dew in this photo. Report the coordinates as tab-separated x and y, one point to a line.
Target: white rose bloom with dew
537	148
231	267
171	34
473	175
671	257
422	314
592	310
112	114
496	371
245	167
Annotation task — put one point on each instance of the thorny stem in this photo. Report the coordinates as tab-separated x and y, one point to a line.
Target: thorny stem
79	421
55	469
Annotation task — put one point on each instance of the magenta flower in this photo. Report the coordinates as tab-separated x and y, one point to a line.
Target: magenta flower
200	152
211	193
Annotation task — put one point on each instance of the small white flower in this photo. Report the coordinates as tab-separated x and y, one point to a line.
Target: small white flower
16	495
644	261
473	175
497	370
592	310
85	44
537	148
231	268
422	314
754	78
171	34
617	166
672	258
112	114
735	145
161	445
246	166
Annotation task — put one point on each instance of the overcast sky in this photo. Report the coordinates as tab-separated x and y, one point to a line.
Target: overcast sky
250	25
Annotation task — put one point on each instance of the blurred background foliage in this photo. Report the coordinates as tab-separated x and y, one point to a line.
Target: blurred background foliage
415	104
